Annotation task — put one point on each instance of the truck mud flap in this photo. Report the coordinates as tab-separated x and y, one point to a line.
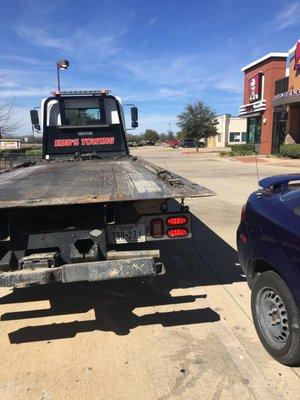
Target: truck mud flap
88	271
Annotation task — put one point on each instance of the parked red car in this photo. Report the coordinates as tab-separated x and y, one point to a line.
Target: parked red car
174	143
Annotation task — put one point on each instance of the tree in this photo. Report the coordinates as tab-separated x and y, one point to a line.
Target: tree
180	135
150	134
133	138
8	123
163	137
170	134
197	121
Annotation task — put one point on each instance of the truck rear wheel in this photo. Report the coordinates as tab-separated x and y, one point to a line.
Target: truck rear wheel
276	318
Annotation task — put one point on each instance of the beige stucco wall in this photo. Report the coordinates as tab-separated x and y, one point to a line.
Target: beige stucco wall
211	141
236	124
225	125
10	144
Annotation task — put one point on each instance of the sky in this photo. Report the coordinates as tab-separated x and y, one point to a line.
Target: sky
158	54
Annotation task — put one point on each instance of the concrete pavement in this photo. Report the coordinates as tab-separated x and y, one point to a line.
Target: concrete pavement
188	335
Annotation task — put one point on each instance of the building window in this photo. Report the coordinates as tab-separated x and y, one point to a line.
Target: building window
282	85
254	129
244	136
234	136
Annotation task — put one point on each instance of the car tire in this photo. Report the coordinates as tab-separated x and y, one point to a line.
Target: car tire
276	318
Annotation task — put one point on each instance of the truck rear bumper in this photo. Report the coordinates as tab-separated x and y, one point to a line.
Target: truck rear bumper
87	271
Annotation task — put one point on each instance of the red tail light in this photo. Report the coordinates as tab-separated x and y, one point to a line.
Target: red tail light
177	232
181	220
243	213
157	228
243	238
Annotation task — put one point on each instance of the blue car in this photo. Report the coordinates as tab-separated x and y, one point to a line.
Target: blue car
268	241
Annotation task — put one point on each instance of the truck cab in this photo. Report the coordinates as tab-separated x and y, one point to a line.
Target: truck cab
81	123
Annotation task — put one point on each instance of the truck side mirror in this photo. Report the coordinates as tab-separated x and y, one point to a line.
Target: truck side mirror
34	116
134	117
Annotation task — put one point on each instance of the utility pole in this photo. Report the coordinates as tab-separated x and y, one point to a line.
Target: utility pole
32	127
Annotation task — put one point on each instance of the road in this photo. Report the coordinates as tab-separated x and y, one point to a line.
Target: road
188	335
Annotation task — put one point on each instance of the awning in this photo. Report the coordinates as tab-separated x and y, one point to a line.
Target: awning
251	114
289	97
246	109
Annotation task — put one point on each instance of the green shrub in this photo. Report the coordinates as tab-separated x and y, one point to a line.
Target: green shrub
290	150
34	152
12	151
243	149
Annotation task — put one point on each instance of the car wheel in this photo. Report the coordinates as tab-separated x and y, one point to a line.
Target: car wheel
276	318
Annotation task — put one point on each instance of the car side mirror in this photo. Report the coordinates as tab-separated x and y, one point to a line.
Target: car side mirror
134	117
34	116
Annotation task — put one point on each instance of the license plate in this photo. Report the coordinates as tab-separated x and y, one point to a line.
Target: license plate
131	233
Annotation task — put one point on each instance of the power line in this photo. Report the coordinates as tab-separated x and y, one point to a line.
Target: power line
39	86
13	103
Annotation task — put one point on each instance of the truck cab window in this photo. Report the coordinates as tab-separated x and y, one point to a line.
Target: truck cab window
81	112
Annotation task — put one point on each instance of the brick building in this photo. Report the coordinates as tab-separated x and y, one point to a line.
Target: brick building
287	103
259	90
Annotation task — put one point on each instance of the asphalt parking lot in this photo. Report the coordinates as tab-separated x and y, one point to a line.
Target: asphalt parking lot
188	335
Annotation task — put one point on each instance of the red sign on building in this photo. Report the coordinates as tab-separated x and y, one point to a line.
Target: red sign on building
297	57
255	88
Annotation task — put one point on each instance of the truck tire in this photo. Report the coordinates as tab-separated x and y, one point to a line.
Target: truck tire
276	318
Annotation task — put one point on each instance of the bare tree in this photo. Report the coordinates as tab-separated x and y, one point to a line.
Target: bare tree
8	121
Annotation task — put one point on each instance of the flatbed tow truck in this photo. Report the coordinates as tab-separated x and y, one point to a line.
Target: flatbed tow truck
75	215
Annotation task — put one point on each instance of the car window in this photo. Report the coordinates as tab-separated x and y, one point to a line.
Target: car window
292	198
291	195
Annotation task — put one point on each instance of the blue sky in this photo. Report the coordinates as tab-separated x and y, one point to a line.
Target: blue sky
158	54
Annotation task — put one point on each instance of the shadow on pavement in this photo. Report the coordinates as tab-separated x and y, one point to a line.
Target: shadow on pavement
205	260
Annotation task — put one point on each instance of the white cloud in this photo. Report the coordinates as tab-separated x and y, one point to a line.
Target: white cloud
95	43
99	52
152	21
8	84
184	76
287	17
25	92
162	93
20	59
27	82
41	38
169	69
232	84
159	122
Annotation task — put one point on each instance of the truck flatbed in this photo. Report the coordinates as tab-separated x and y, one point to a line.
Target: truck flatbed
92	181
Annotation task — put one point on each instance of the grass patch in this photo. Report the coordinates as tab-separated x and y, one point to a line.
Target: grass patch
34	152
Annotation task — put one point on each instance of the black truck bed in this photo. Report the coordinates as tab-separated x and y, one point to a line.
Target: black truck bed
92	181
